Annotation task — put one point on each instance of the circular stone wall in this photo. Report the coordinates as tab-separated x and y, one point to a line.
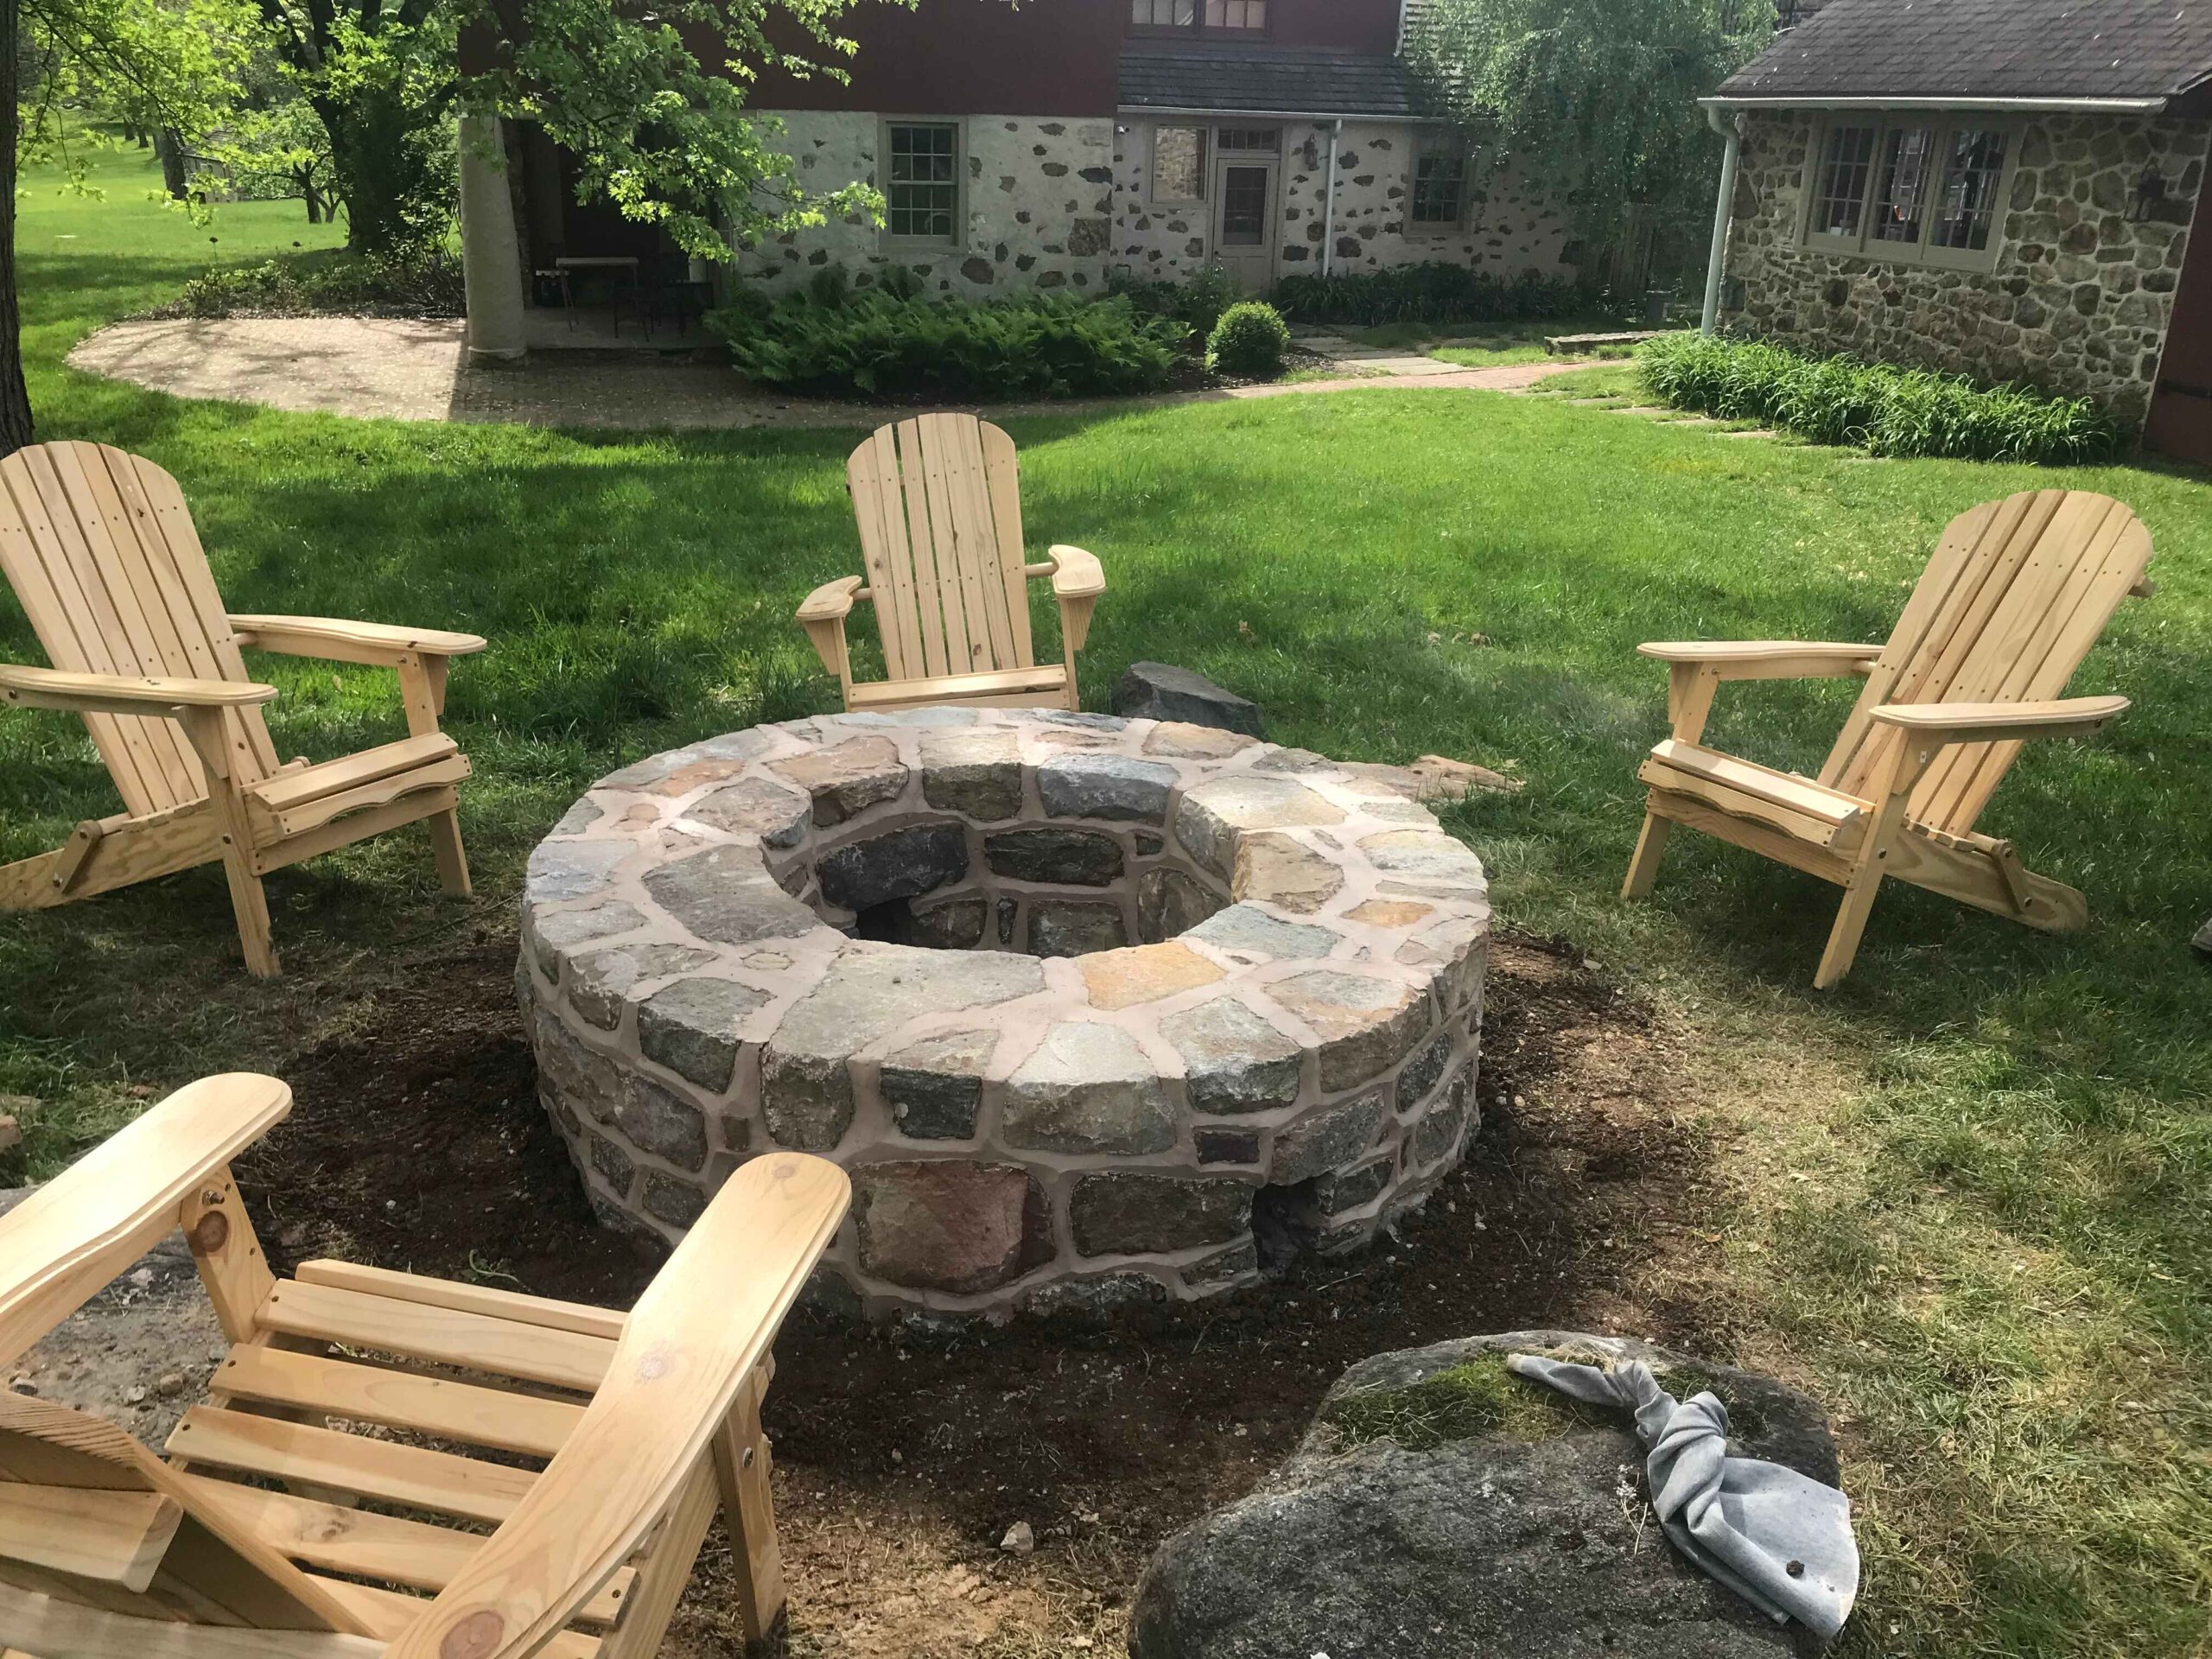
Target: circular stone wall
1092	1009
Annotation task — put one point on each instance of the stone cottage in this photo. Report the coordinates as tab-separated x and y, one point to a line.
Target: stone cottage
1056	144
2003	188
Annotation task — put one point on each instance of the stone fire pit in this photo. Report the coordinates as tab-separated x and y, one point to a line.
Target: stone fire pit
1093	1009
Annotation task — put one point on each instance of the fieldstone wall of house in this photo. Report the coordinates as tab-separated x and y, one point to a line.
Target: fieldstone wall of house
1506	229
2078	302
1037	199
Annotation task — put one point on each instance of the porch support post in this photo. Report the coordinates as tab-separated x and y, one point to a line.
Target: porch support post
490	258
1728	128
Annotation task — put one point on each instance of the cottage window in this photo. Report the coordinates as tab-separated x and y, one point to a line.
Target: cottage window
922	188
1163	14
1236	14
1911	191
1438	198
1179	164
1258	140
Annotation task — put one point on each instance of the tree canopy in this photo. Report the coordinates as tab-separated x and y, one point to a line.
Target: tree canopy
1592	102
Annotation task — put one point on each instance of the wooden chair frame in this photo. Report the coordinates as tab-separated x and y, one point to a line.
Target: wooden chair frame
2016	593
938	503
650	1421
101	551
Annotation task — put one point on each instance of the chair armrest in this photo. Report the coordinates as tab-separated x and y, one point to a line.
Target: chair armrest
1997	722
62	1245
337	641
831	602
703	1324
1076	573
1766	659
121	693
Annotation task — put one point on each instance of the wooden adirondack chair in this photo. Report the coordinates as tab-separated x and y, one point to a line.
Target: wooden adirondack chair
2016	593
596	1448
100	549
938	498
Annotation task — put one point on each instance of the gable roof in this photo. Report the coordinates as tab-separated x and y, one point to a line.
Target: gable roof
2024	49
1235	78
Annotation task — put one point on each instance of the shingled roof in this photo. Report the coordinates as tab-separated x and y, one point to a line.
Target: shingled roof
1231	78
1987	48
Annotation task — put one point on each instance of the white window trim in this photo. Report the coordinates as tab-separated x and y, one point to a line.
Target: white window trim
1426	142
924	244
1207	150
1864	245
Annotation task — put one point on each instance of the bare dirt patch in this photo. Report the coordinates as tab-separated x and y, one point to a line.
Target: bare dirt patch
905	1455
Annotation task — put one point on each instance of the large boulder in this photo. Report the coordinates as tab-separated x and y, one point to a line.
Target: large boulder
1441	1508
1162	691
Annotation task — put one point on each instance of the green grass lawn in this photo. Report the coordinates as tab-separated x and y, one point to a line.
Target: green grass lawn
1489	346
1976	1211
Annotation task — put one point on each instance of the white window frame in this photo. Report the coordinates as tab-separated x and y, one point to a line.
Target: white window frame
1863	244
1432	141
1152	163
925	243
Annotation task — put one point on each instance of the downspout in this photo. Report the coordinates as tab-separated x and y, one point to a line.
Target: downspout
1329	200
1729	129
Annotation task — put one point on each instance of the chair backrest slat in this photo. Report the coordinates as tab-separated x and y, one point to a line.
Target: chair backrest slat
940	523
100	552
2018	592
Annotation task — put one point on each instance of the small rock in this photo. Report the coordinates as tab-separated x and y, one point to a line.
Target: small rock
1162	691
22	1384
1020	1539
135	1395
170	1384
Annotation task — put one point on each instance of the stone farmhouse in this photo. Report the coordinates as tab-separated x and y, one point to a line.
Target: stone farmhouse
1055	143
2004	189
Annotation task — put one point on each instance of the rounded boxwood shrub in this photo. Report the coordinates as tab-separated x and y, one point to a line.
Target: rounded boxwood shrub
1249	340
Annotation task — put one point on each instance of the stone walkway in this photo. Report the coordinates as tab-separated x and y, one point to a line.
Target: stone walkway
411	370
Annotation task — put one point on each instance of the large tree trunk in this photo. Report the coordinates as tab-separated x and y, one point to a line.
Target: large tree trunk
169	145
14	397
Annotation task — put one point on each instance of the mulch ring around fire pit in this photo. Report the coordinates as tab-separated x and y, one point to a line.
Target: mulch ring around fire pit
903	1459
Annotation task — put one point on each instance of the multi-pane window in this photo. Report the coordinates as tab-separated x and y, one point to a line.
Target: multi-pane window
1179	164
923	189
1236	14
1163	14
1965	200
1840	195
1921	192
1266	140
1901	200
1440	192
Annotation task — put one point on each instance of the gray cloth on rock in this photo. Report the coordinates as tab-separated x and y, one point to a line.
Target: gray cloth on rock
1747	1522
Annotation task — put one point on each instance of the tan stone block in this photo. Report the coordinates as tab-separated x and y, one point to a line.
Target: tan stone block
1144	973
1276	870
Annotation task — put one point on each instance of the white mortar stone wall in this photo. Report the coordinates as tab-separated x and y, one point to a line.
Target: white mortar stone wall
1036	195
1506	229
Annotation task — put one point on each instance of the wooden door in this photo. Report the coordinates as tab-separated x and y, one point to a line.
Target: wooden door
1246	216
2181	406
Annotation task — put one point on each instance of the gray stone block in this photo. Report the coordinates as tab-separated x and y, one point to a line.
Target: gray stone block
1163	691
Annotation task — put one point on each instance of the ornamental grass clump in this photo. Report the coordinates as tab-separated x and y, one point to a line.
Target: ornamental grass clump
1248	340
1886	410
832	338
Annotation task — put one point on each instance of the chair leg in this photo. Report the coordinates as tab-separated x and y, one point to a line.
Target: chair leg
741	1465
250	903
445	846
1643	867
1850	923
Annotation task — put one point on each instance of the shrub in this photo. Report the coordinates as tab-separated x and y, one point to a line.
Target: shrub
427	284
1434	292
1199	299
877	342
1249	340
1888	411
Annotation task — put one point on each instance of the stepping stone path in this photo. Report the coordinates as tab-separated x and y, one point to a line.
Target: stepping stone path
1127	988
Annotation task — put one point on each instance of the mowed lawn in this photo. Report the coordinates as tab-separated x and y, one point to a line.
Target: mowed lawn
1976	1182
